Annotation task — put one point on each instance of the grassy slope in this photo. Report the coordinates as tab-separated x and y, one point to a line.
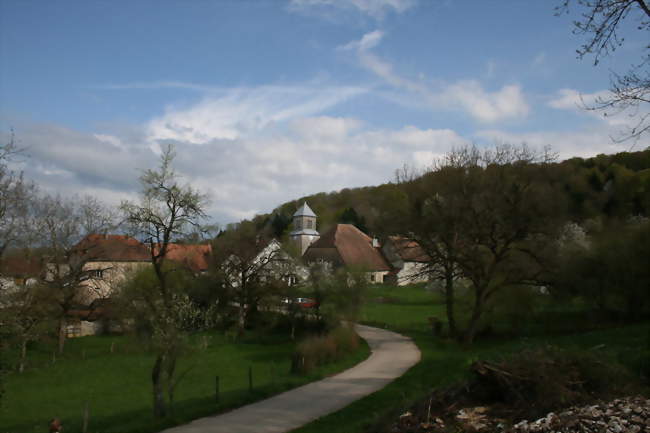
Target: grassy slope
444	362
118	388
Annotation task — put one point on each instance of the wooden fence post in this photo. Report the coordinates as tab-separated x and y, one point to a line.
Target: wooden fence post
84	428
216	389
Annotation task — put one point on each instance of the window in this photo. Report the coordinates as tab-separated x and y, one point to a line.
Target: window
97	274
309	224
372	278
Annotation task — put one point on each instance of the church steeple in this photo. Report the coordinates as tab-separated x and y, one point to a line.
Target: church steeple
304	227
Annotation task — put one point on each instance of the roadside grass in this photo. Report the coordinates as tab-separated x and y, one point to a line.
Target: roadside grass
406	307
117	385
445	362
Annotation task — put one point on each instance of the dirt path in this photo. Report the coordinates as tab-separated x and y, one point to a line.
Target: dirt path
392	354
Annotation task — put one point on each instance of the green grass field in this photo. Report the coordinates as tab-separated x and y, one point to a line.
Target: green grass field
117	385
405	310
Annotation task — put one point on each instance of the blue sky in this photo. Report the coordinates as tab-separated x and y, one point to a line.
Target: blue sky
267	101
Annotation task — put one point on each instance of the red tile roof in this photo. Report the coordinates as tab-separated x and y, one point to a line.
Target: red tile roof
20	266
345	244
195	257
113	248
409	250
122	248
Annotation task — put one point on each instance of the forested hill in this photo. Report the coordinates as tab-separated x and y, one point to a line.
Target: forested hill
603	187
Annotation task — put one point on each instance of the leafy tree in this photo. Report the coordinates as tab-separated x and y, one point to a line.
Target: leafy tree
280	223
338	293
600	21
611	271
24	314
350	216
251	268
164	320
487	217
167	209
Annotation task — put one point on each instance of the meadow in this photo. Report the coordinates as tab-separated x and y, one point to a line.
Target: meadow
116	384
445	362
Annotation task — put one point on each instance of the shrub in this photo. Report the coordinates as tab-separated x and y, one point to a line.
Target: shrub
545	379
323	349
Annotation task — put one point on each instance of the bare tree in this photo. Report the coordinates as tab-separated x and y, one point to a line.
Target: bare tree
57	225
484	217
15	196
167	210
600	21
24	314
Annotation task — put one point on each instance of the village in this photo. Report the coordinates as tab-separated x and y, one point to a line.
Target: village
318	216
108	259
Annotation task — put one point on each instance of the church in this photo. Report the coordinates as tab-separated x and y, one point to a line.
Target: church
342	245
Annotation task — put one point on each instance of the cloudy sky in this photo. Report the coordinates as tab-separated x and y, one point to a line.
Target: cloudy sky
267	101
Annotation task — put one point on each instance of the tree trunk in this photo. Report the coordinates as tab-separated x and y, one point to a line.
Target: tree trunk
449	299
62	334
23	355
171	369
158	392
472	327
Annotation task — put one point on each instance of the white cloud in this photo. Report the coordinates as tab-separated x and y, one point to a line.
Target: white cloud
367	41
571	99
377	9
584	143
324	128
242	112
506	103
244	175
468	96
622	120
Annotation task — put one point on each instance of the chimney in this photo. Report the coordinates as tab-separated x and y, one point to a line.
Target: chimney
375	242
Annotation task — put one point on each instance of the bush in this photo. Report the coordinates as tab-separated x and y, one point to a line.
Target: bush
323	349
545	379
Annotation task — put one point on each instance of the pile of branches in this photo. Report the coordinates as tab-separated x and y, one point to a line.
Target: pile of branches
536	381
526	385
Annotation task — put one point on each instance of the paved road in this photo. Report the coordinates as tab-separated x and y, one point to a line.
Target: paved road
392	354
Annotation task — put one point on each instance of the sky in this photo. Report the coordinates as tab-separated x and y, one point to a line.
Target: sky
267	101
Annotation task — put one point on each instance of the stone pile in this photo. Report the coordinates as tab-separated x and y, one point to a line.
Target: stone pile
625	415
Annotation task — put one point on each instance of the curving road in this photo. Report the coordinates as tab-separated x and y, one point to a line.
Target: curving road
392	354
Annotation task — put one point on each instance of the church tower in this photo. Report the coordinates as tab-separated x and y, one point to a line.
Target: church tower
304	228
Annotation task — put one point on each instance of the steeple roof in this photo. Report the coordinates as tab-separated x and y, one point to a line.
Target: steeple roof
304	210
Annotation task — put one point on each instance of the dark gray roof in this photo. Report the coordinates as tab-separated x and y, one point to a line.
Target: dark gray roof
304	210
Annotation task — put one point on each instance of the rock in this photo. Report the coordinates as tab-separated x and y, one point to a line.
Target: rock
628	415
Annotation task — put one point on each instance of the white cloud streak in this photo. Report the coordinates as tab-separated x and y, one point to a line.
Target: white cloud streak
467	96
377	9
244	111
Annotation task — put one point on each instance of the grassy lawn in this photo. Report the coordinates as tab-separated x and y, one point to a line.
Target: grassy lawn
443	361
406	307
117	385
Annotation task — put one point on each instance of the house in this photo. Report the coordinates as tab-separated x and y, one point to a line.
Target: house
17	271
408	259
194	257
108	260
346	245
